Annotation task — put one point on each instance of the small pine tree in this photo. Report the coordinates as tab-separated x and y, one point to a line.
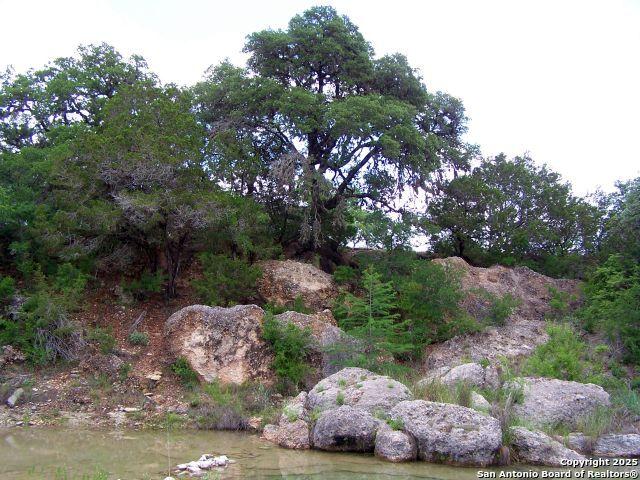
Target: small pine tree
373	320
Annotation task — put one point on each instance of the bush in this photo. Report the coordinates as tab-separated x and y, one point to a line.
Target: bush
104	338
612	304
290	346
495	309
226	281
148	283
229	406
373	320
345	275
183	370
428	297
42	329
7	289
138	338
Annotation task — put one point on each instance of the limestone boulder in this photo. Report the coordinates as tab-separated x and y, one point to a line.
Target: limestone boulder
548	401
357	387
609	445
395	445
537	448
450	434
345	429
472	374
284	281
219	343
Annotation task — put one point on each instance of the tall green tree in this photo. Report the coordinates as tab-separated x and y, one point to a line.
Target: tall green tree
315	121
374	320
66	91
134	192
513	211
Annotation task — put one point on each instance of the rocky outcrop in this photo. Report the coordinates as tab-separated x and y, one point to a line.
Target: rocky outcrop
293	428
610	445
343	405
450	434
395	445
284	281
472	374
549	401
523	330
537	448
345	429
221	343
226	343
357	387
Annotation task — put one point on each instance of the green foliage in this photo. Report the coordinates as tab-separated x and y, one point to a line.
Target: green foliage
367	125
226	280
144	286
7	289
290	346
42	328
612	303
124	371
373	320
138	338
103	337
340	398
495	309
229	406
560	303
514	212
435	391
395	423
345	275
183	370
428	297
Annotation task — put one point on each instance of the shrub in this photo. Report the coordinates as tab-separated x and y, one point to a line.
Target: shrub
428	297
42	329
7	289
138	338
559	303
612	304
373	320
124	371
494	309
148	283
183	370
226	281
345	275
290	346
104	338
560	357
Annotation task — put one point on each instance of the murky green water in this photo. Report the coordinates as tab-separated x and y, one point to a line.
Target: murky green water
72	454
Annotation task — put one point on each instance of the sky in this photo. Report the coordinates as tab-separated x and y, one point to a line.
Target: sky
559	80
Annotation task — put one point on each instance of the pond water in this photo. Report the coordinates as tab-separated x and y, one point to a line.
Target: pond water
64	454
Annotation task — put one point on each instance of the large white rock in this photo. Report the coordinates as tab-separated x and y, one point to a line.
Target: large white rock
221	343
359	388
450	434
537	448
284	281
548	401
345	429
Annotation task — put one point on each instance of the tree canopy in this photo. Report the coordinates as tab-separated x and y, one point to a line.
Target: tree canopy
315	120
